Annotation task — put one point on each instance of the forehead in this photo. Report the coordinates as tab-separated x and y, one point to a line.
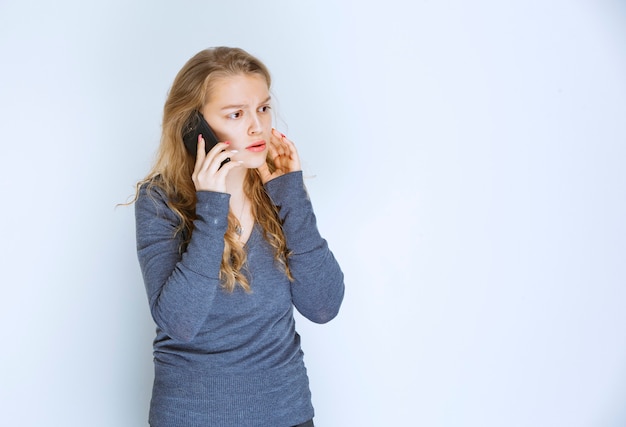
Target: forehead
238	89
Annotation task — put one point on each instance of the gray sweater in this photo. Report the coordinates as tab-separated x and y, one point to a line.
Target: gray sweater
232	359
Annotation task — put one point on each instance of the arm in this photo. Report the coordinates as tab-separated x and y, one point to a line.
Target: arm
318	288
180	287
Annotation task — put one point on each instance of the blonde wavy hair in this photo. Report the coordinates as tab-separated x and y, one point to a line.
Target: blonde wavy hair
174	165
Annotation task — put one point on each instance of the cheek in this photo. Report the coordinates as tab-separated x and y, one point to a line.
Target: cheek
228	133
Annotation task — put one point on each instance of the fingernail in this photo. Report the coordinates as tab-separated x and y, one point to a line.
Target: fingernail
227	142
283	135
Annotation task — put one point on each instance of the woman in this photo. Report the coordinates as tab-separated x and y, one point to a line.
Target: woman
228	245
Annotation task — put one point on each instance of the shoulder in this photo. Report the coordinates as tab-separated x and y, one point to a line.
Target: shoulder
152	198
152	188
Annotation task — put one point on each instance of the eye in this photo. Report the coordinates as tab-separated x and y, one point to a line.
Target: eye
234	115
264	108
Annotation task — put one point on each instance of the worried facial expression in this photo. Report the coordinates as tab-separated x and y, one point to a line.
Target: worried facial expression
238	110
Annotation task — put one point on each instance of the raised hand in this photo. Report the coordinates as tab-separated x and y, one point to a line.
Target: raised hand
283	153
209	174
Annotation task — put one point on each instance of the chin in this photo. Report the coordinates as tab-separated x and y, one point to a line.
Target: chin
255	163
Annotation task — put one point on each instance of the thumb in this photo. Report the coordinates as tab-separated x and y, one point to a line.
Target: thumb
264	172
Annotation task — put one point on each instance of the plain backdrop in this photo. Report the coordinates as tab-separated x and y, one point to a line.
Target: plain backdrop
465	160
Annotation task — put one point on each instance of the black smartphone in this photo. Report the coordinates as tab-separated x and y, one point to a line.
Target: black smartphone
196	125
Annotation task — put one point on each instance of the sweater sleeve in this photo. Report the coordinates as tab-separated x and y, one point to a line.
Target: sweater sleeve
180	287
318	287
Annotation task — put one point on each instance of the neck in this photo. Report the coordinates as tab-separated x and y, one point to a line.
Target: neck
239	204
234	183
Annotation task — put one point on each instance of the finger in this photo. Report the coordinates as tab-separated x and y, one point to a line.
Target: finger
200	146
216	155
285	142
224	168
274	153
289	150
275	140
227	157
290	145
265	173
278	140
200	154
221	160
278	134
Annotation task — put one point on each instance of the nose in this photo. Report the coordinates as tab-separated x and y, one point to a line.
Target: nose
254	126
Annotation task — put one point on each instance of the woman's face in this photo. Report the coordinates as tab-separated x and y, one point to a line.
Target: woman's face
238	111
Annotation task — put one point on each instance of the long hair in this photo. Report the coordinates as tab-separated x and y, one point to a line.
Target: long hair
174	165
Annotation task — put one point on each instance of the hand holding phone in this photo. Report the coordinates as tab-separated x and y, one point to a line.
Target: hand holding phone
195	126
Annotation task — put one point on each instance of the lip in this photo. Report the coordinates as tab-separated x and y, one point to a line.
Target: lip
257	146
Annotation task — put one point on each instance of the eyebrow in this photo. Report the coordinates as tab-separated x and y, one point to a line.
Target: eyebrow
240	106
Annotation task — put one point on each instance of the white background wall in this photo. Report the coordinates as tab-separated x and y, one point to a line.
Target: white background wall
466	162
